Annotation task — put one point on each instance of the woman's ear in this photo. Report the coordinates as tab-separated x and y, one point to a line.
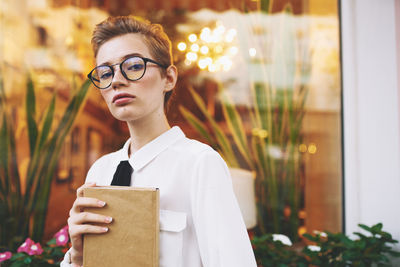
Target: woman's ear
171	76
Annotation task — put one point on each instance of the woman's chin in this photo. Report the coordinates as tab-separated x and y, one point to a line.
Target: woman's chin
124	115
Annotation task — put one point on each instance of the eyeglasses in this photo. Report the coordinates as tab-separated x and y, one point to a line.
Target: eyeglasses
132	68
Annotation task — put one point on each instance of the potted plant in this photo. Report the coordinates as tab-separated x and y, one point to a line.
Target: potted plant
374	247
34	254
23	211
269	145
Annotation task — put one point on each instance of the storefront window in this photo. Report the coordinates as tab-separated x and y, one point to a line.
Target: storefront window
258	80
269	80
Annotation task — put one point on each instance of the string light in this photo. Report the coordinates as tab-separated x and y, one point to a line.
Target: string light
191	56
302	230
202	63
205	35
252	52
312	148
192	37
233	50
212	68
303	148
212	49
195	47
261	133
181	46
204	49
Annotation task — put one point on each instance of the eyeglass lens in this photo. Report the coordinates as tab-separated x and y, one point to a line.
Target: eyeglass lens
132	68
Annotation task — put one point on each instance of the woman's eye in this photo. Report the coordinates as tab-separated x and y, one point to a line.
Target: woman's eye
135	67
105	75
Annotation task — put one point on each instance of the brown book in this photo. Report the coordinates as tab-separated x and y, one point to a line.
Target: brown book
132	238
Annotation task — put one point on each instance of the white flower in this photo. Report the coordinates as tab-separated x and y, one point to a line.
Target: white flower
322	234
314	248
284	239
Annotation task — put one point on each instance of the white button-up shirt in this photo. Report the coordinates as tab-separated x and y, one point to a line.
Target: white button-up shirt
200	220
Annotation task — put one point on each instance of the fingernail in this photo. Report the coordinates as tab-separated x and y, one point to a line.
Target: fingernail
108	219
101	203
105	229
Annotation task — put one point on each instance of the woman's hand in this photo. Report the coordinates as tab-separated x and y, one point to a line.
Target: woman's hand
81	222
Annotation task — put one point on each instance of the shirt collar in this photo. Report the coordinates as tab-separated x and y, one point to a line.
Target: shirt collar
149	151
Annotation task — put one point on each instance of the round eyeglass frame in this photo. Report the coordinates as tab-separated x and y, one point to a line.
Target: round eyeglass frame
145	60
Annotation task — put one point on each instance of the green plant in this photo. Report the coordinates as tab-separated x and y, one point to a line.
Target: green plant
329	249
274	252
23	212
339	250
270	145
34	254
278	179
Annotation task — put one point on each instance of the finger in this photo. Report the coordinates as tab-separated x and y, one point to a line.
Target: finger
76	231
88	217
85	202
79	191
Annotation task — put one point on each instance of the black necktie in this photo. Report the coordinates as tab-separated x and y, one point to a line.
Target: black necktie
123	174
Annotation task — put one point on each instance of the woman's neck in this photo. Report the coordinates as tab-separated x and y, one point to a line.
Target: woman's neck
142	132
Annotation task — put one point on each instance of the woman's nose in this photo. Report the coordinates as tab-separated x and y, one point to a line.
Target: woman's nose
118	80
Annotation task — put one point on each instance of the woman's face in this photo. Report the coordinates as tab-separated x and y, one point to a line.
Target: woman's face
142	99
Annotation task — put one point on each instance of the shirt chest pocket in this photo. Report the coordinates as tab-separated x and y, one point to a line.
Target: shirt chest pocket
172	225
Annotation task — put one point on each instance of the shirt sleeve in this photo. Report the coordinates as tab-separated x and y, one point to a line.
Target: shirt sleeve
66	262
221	233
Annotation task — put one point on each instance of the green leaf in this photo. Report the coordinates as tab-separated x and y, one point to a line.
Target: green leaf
366	228
30	103
52	241
28	212
48	120
17	264
197	124
4	158
235	125
27	260
377	228
310	237
50	157
18	255
222	140
362	236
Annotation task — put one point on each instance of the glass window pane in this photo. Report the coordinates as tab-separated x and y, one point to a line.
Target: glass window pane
262	77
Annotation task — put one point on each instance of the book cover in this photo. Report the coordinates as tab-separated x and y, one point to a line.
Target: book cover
133	235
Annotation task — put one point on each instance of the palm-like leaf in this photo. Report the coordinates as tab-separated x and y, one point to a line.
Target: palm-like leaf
272	149
26	211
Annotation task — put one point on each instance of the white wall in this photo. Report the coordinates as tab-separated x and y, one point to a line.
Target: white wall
371	114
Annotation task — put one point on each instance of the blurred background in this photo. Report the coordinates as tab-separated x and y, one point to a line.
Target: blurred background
265	74
259	80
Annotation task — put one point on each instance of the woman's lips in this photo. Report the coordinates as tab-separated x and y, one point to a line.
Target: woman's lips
122	98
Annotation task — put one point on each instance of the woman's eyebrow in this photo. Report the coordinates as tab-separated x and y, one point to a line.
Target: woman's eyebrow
108	63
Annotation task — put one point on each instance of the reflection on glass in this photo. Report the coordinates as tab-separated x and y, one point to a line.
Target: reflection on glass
283	77
261	77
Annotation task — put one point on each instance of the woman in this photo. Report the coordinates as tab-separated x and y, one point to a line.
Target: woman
136	75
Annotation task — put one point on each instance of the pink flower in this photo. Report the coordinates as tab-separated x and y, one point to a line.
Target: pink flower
26	245
5	256
35	249
30	247
62	237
